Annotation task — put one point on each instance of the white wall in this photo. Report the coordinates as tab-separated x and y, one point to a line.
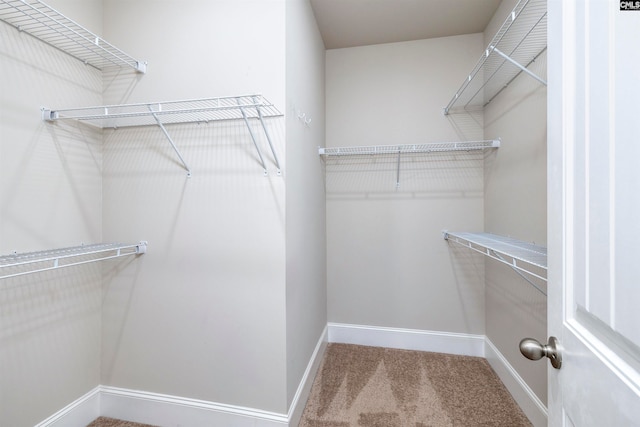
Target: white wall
203	314
387	263
515	205
50	197
305	206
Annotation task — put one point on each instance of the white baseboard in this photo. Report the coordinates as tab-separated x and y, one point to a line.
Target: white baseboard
164	410
304	389
531	405
407	339
78	413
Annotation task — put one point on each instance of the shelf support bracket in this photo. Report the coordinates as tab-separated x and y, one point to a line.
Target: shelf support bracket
398	172
253	137
517	64
517	271
273	151
164	130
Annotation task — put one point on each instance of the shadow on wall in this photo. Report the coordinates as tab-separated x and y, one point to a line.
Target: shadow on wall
467	268
468	123
20	51
524	296
119	278
222	148
143	173
38	301
119	84
58	171
50	336
417	176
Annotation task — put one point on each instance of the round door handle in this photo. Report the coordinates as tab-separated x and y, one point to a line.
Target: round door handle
532	349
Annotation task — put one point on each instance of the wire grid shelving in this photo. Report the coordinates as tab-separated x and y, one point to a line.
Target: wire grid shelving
52	27
406	149
204	110
519	42
182	111
409	148
19	264
519	255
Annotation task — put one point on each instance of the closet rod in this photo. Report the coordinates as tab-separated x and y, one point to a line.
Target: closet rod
35	262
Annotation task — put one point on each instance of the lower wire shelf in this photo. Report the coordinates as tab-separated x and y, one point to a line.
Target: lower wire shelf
521	256
19	264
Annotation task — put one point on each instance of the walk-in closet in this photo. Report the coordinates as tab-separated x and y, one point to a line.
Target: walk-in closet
202	201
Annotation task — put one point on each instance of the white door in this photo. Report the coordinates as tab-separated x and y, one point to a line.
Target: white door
594	212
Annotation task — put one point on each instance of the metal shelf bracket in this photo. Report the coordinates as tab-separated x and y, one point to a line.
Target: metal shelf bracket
253	137
173	145
517	64
264	127
204	110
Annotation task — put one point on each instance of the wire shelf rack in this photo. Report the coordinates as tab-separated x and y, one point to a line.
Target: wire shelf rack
522	256
52	27
204	110
399	150
519	42
19	264
409	148
182	111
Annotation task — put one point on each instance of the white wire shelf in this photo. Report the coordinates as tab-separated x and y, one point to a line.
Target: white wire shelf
399	150
204	110
409	148
19	264
519	42
52	27
515	253
182	111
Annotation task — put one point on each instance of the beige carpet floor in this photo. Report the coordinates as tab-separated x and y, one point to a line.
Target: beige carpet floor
359	386
111	422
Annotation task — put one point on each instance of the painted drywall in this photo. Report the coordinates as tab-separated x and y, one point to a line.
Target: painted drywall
203	314
306	293
387	262
50	197
515	206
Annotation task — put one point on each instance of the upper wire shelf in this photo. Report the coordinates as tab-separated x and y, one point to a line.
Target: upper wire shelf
183	111
521	256
50	26
203	110
409	148
519	42
19	264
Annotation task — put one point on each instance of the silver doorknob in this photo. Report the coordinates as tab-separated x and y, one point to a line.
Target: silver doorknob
532	349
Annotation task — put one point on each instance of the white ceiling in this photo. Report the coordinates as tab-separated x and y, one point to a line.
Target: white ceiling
349	23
